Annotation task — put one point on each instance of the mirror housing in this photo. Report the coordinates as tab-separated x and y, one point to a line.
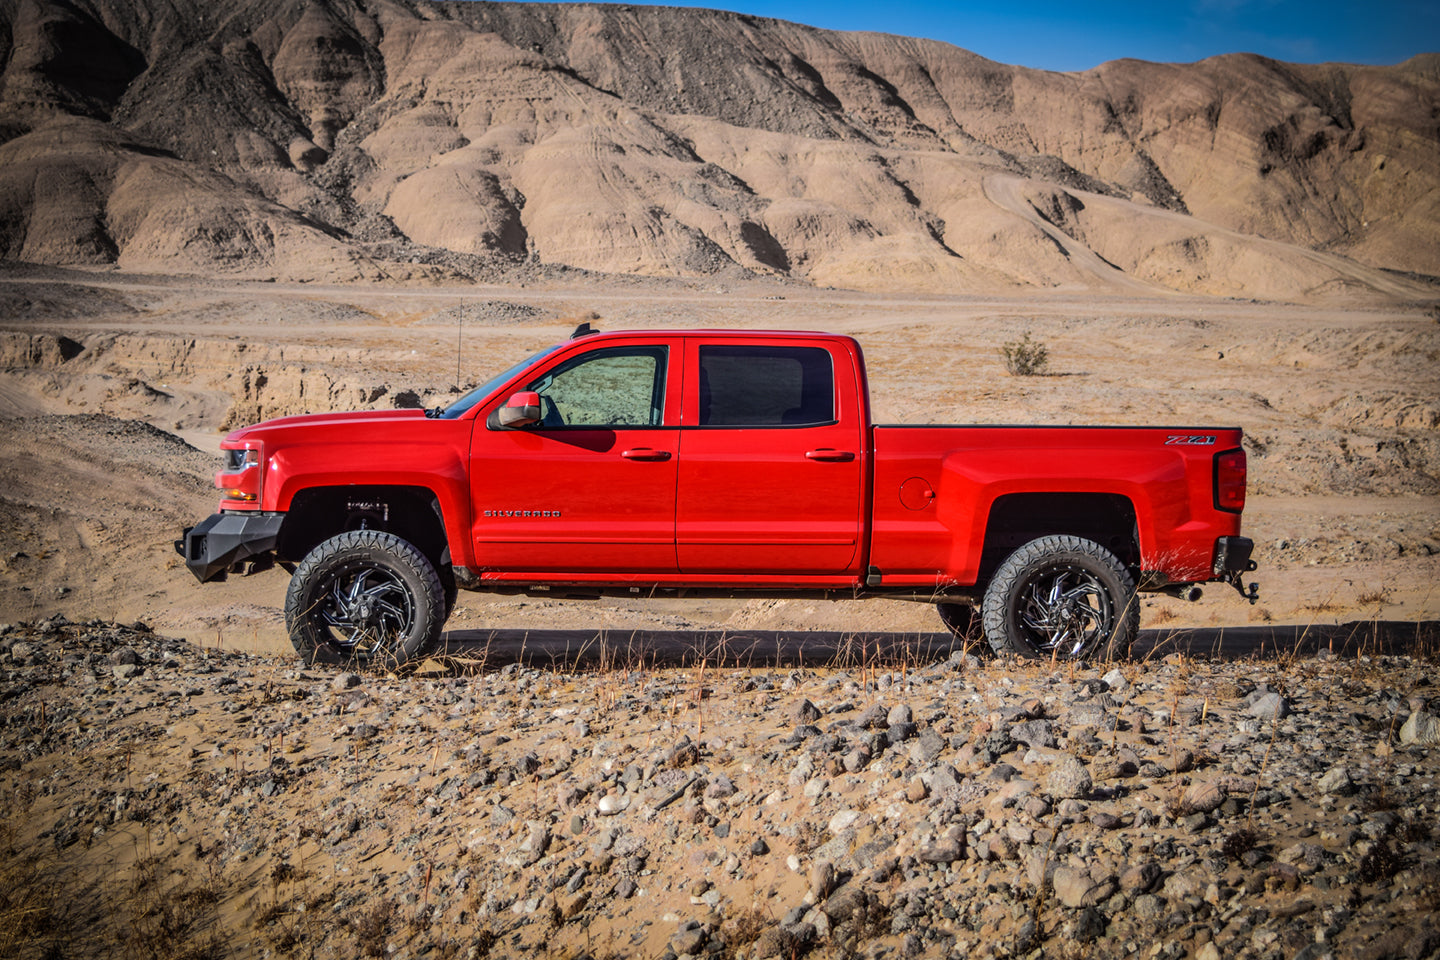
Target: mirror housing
521	410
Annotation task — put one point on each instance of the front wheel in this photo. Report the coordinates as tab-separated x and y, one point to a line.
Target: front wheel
1062	598
365	596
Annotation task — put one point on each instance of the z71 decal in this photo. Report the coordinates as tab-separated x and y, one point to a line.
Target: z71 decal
1187	440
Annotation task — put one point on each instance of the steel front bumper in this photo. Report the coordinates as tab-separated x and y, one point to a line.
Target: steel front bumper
221	540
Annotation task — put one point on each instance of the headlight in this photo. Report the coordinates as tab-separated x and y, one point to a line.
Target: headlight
241	476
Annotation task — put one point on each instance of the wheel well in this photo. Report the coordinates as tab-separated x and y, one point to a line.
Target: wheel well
411	513
1015	519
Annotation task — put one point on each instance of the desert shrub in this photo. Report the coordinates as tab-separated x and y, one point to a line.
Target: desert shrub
373	927
1026	357
1380	864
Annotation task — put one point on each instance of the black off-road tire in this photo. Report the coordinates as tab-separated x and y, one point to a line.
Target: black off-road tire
1063	598
365	597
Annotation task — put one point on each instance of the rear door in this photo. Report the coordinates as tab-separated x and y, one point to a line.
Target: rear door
591	488
772	458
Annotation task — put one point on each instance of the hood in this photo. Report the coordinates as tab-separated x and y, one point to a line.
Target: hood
311	420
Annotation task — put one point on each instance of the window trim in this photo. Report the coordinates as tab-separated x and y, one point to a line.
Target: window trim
834	387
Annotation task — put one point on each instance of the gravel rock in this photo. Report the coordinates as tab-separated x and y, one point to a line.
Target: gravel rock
1077	888
1337	782
1203	797
1069	780
611	805
822	880
1421	728
1269	706
1140	878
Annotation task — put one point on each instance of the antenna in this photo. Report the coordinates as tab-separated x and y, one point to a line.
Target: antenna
459	332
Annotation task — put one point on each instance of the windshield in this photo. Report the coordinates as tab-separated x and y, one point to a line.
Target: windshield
459	407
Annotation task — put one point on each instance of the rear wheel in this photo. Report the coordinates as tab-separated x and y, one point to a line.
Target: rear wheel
1062	598
365	596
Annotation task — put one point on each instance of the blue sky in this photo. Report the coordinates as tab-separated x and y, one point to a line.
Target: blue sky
1055	35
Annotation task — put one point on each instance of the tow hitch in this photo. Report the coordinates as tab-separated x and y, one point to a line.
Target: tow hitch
1232	561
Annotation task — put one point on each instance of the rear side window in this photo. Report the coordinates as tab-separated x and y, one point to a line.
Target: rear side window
761	386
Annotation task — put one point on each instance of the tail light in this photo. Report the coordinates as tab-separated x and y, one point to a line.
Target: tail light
241	476
1230	481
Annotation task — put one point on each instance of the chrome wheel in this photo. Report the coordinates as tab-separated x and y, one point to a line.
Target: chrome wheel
1061	598
366	610
1065	612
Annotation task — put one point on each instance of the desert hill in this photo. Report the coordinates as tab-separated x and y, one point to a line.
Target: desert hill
343	139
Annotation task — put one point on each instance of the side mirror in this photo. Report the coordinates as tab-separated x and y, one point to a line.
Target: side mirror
521	410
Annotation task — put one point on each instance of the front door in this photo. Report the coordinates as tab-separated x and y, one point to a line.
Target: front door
770	471
591	488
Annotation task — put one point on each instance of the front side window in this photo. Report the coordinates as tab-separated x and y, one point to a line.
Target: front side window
762	386
618	387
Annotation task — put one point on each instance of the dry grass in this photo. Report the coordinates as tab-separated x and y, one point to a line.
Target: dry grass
34	922
742	928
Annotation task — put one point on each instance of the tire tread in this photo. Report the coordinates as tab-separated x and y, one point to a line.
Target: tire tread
432	607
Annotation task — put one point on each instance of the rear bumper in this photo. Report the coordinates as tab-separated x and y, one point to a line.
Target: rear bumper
1232	556
221	540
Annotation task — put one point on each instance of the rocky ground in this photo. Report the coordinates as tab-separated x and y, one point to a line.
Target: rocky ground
163	799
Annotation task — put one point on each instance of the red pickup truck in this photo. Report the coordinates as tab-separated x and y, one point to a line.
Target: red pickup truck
731	463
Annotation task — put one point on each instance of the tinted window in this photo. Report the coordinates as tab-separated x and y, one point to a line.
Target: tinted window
620	387
756	386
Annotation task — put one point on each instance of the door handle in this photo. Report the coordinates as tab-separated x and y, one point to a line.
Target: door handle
645	453
830	456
